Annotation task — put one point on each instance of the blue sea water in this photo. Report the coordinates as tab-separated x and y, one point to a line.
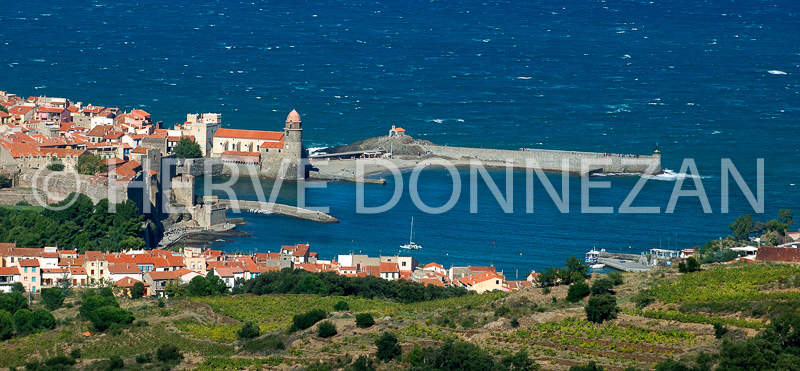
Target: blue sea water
692	76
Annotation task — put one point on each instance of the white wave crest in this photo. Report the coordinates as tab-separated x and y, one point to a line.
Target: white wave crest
776	72
671	176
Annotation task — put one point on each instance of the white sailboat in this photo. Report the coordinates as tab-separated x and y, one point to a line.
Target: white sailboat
411	245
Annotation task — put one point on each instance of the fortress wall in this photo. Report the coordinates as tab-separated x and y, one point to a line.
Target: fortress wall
552	160
60	184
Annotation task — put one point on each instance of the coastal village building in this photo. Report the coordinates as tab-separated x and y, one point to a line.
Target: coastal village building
156	268
8	277
202	127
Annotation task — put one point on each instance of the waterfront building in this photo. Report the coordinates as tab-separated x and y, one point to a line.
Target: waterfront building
267	149
202	127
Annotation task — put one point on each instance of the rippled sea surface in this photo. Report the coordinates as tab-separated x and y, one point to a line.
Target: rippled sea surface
702	79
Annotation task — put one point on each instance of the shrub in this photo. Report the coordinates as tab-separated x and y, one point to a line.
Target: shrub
59	362
388	349
514	322
52	298
144	358
168	353
248	331
362	363
502	311
341	305
546	290
364	320
463	356
75	353
601	308
577	291
603	286
6	325
104	317
13	302
115	363
719	330
616	277
41	319
137	291
55	166
308	319
644	298
326	329
267	344
161	303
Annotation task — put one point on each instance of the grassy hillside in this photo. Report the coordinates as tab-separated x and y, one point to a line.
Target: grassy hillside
677	322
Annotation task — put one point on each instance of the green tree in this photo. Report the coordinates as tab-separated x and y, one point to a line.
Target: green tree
90	164
175	289
187	148
6	325
364	320
603	286
22	321
17	288
577	291
55	164
168	353
198	286
785	216
388	349
308	319
52	298
341	305
742	227
600	308
216	286
248	331
326	329
519	361
41	319
102	318
3	108
138	290
4	181
13	302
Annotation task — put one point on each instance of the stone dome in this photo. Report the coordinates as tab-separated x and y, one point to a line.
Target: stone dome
293	116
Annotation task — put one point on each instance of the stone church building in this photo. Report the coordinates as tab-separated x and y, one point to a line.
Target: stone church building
266	151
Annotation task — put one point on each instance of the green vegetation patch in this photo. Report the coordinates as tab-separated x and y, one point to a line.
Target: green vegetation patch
742	282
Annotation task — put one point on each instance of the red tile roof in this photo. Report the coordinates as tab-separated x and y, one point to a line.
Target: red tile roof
129	282
249	134
389	268
29	263
123	268
277	144
5	271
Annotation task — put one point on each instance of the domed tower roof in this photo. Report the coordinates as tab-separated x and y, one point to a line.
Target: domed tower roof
293	116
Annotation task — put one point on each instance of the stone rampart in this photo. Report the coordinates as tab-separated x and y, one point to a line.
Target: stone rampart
57	185
577	162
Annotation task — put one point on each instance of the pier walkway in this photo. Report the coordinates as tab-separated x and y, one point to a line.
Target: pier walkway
280	209
625	262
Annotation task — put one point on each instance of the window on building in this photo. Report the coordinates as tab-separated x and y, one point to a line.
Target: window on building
92	271
26	269
33	279
33	269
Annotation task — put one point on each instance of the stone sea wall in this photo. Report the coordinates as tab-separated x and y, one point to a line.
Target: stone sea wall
578	162
57	185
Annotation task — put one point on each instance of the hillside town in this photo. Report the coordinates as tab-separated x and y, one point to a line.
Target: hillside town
36	131
40	268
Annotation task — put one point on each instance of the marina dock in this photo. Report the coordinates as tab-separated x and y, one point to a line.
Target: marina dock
625	262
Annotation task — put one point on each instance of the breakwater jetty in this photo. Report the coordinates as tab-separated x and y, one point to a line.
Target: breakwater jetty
280	209
582	163
625	262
